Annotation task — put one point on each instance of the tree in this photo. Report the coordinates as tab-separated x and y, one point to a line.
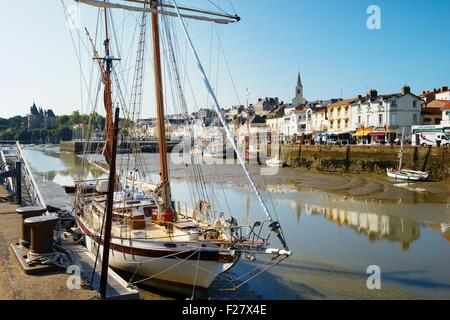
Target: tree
75	117
17	122
62	120
64	133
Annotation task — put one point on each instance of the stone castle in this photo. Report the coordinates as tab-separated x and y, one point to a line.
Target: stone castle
41	119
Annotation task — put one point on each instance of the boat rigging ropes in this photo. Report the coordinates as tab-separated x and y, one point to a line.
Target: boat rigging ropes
275	262
180	106
275	226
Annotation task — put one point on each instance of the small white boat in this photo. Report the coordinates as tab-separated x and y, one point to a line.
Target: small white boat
275	162
198	151
404	174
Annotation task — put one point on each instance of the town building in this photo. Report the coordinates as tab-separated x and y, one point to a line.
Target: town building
205	114
297	123
444	94
275	124
266	105
319	121
339	116
446	116
41	119
233	112
250	129
319	117
431	113
381	118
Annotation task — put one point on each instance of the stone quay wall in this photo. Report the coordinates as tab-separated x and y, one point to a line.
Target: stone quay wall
366	159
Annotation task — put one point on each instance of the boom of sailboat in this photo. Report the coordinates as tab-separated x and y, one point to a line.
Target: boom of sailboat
152	7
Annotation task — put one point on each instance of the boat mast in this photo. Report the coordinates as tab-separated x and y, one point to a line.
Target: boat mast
164	169
401	150
107	99
109	209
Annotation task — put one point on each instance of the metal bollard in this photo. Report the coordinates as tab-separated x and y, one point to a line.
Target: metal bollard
28	212
42	233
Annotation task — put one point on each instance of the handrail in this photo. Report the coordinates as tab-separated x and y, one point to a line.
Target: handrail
28	179
10	185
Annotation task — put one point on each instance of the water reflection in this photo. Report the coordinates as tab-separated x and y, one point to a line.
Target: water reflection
329	229
374	226
61	168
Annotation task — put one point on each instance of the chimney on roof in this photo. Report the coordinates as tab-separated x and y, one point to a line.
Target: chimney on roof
373	94
444	89
434	90
406	89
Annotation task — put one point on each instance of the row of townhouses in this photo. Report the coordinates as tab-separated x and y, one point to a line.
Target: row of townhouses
369	118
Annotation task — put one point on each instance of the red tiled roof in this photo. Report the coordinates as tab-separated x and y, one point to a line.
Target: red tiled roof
426	94
446	107
427	110
436	104
341	103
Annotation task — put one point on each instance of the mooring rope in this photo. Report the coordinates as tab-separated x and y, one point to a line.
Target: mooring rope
55	258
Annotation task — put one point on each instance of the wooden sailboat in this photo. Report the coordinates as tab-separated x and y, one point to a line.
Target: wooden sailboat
405	174
172	248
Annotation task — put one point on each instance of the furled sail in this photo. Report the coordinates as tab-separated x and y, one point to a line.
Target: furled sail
102	4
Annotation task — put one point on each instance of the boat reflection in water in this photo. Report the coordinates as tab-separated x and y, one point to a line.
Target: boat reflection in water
374	226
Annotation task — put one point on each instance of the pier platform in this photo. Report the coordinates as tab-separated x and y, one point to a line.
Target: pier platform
15	284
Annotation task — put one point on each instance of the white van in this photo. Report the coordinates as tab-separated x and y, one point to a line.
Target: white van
432	138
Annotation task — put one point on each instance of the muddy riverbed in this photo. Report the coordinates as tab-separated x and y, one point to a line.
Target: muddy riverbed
337	226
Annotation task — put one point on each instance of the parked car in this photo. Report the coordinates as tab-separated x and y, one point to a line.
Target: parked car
333	142
434	139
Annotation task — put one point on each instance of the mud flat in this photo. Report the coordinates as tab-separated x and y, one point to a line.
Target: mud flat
364	186
314	273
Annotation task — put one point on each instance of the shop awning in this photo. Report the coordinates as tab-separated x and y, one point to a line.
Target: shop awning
363	132
377	133
327	135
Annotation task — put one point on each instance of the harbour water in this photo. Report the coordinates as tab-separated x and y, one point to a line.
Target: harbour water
334	238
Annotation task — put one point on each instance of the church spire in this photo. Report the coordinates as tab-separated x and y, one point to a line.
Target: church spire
299	87
298	99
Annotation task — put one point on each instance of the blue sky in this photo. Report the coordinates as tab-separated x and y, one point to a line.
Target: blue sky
326	40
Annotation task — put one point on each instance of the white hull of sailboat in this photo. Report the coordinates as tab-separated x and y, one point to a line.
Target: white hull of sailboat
170	268
410	175
275	163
